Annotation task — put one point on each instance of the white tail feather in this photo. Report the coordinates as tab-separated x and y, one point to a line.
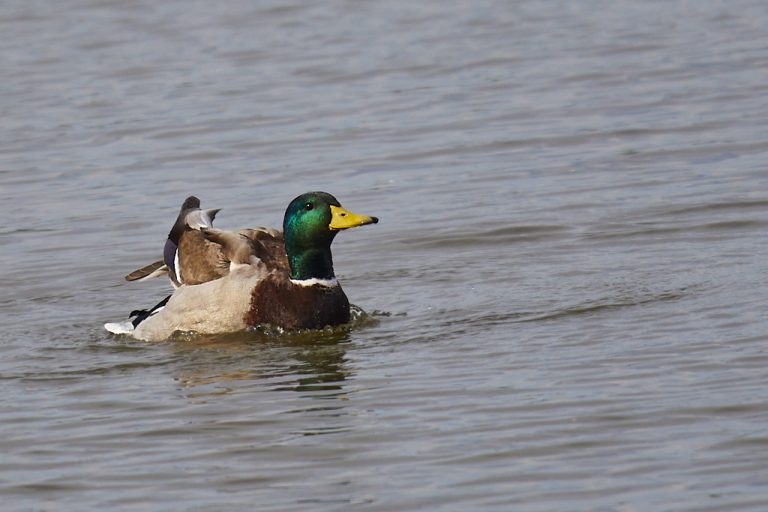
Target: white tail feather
125	327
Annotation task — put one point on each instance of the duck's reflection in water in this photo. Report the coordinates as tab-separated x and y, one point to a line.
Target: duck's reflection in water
312	362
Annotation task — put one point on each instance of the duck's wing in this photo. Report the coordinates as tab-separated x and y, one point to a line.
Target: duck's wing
252	246
197	260
188	258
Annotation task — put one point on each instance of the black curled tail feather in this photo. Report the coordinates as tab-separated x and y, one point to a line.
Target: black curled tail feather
143	314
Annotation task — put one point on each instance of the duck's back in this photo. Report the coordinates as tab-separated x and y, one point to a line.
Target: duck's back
268	245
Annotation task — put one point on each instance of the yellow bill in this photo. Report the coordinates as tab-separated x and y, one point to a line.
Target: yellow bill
344	219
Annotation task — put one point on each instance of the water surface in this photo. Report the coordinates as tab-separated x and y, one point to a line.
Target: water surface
565	296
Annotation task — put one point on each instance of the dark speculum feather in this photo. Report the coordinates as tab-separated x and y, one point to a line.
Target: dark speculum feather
169	257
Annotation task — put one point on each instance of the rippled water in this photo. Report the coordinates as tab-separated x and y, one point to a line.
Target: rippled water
565	296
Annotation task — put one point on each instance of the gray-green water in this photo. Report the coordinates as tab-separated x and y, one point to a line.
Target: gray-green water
567	289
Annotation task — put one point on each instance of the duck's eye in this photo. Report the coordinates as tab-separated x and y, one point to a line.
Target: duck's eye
308	206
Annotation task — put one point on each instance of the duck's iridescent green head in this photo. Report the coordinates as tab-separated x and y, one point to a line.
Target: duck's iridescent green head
311	222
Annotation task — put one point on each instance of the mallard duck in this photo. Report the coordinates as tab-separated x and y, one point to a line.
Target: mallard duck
230	280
